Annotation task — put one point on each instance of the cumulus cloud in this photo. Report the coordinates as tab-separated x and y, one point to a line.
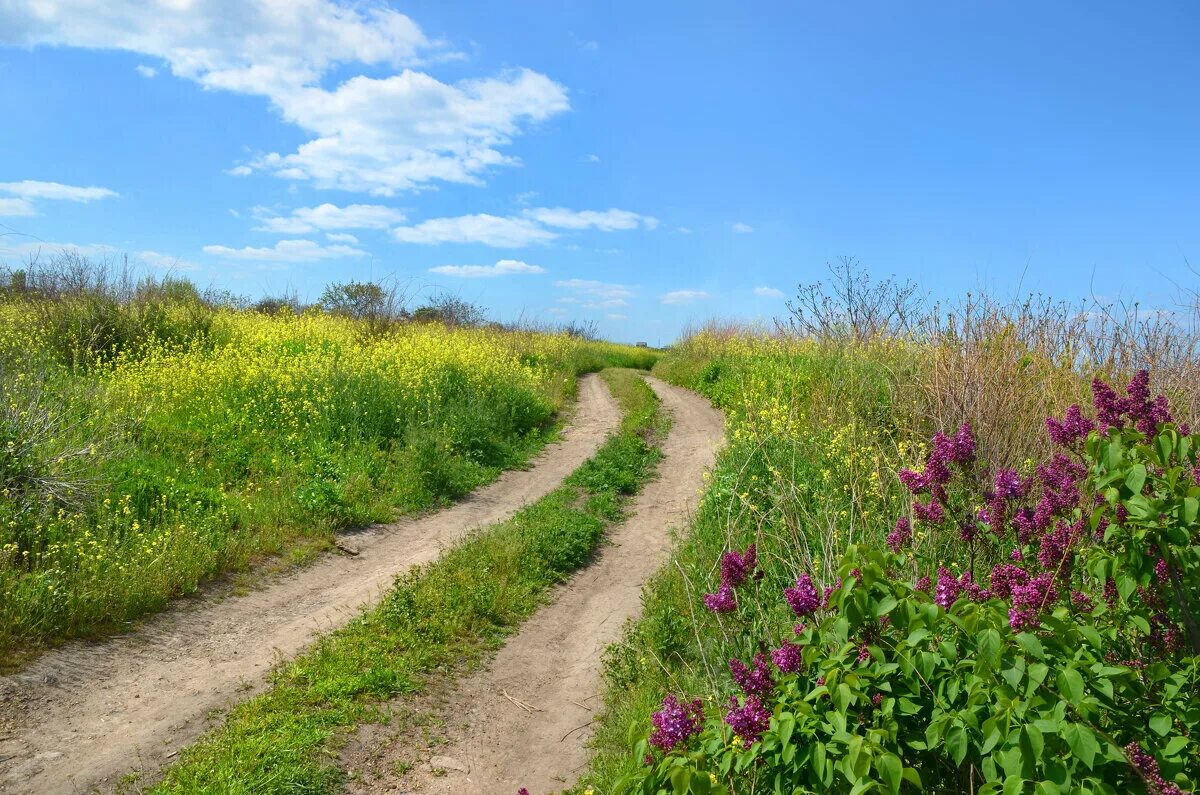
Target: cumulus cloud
679	297
286	251
341	237
741	228
609	220
505	267
328	216
491	230
768	292
147	72
33	189
382	134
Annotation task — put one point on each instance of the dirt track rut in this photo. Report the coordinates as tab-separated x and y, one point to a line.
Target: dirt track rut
83	715
553	663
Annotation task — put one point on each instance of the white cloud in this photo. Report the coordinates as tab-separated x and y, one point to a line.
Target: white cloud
386	135
491	230
684	230
504	267
592	294
679	297
33	189
341	237
240	171
328	216
616	316
741	228
166	262
609	220
38	250
287	251
556	311
768	292
16	207
148	72
378	134
593	158
595	288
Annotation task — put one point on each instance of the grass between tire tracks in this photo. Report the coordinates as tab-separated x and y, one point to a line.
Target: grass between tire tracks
452	611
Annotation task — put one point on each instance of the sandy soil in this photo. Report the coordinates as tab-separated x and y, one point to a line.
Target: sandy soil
552	666
83	715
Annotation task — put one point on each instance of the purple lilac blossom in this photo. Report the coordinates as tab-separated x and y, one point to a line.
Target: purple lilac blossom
901	534
1029	599
750	720
736	568
930	512
675	722
1006	577
948	588
722	601
803	598
1147	767
754	680
788	657
1070	429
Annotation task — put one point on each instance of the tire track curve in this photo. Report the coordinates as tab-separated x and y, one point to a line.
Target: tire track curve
552	664
83	715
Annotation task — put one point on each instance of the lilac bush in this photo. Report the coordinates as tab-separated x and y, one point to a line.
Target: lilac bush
1064	657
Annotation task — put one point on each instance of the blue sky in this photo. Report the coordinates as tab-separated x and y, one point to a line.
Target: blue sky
643	165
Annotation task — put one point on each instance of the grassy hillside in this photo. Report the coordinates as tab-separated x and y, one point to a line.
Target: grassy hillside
151	437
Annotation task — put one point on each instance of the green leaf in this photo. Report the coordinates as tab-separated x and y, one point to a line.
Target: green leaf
1176	745
1191	507
988	645
1082	742
1070	684
1160	724
1136	478
885	606
891	769
1031	645
956	743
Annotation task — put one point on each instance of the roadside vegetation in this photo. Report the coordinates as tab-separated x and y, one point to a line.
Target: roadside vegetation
438	618
153	435
944	550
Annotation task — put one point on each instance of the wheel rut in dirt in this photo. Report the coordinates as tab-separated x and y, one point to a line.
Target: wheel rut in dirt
85	714
523	721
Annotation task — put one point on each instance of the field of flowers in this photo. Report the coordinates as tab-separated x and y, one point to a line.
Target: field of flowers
162	441
903	582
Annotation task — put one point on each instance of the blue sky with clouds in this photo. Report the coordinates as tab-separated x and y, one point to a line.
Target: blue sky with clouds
643	165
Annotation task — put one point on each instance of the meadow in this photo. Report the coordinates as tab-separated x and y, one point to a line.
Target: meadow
917	568
153	436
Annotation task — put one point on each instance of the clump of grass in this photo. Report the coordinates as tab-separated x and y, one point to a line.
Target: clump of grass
451	611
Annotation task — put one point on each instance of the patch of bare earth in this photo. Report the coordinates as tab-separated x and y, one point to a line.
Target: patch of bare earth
524	719
83	715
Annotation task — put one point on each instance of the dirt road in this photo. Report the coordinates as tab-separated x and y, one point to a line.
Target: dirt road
553	663
85	714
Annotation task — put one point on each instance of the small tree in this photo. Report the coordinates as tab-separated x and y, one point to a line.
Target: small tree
451	310
377	304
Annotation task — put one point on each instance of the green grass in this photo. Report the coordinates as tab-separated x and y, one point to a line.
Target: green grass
450	612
